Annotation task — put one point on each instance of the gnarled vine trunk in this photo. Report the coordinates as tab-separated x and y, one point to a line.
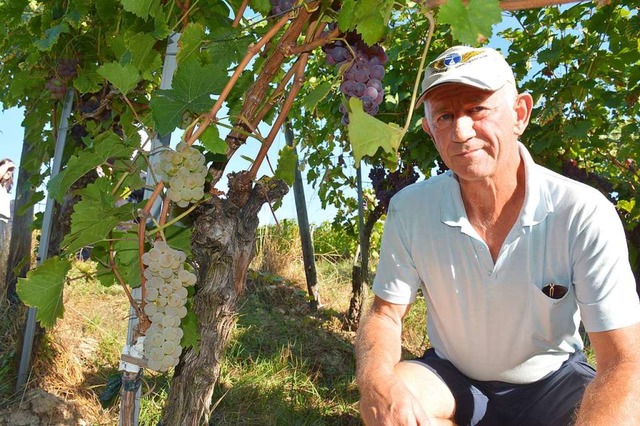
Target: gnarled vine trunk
223	245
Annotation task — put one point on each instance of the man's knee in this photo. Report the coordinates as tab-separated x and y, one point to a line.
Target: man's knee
434	395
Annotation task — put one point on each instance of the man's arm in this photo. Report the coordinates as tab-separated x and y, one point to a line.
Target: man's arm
385	399
613	398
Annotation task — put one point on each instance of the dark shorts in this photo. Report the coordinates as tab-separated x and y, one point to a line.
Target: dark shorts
551	401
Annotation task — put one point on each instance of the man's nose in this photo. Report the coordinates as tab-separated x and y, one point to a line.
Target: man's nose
463	129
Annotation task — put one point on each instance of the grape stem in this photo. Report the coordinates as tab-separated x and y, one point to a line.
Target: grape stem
423	58
144	214
176	219
241	10
321	41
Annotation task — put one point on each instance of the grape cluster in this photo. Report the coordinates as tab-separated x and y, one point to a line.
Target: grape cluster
184	172
56	87
386	184
166	296
363	75
67	68
278	7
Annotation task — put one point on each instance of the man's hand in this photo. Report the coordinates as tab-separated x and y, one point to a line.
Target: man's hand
388	402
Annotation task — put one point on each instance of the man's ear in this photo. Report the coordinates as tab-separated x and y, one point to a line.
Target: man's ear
425	126
522	108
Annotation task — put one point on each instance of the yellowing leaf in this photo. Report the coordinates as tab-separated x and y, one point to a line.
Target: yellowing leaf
367	134
42	289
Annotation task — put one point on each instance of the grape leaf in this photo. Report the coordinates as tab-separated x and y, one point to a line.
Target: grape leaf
212	141
193	86
317	94
471	24
51	37
346	15
109	146
367	134
143	56
141	8
95	215
189	325
123	77
287	162
191	41
42	289
372	17
179	238
228	45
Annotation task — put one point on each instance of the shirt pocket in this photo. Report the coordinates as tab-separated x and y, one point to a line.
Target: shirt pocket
551	313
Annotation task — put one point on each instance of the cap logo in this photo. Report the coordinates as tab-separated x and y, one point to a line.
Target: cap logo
454	58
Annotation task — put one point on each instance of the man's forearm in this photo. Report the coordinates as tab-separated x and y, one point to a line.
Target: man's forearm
612	398
378	346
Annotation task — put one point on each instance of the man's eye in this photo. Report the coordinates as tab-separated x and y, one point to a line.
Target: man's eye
444	119
477	109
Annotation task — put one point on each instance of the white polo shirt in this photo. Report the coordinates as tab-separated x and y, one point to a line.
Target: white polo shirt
492	320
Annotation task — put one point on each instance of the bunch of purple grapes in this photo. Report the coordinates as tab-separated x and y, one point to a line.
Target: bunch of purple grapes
67	68
56	87
363	75
386	184
278	7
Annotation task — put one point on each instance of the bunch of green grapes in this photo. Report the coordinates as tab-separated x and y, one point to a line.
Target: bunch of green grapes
183	172
165	297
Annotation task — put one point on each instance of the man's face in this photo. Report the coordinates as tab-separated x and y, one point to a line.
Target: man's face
473	130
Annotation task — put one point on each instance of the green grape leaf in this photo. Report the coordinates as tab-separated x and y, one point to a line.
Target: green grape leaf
367	134
141	8
346	15
179	238
287	162
228	45
127	257
123	77
51	37
578	130
317	94
212	141
88	81
191	41
109	146
143	56
262	6
189	325
95	215
471	24
193	86
42	289
372	17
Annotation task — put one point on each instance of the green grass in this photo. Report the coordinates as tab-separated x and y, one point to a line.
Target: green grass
286	365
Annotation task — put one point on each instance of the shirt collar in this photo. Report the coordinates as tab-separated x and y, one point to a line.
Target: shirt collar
537	202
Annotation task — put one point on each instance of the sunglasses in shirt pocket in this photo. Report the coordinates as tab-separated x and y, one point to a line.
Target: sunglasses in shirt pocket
555	291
